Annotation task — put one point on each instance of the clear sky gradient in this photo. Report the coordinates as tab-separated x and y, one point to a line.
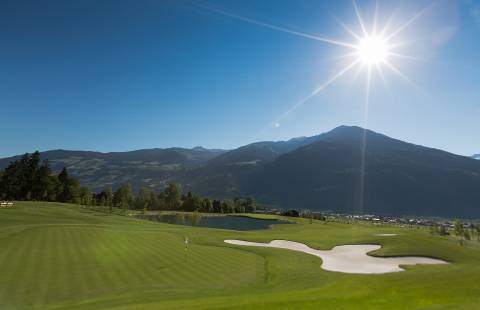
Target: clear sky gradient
123	75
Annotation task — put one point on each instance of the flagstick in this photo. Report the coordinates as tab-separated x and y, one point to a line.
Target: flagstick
186	248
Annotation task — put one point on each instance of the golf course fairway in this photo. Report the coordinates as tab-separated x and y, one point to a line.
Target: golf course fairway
61	256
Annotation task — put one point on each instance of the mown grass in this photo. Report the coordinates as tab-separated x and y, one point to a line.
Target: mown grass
57	256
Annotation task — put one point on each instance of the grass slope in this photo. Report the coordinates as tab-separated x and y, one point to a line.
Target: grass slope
55	256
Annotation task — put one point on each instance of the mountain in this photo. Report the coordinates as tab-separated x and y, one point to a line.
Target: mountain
224	175
331	171
476	156
325	172
399	178
148	167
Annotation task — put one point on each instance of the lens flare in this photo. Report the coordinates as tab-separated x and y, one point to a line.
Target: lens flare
372	50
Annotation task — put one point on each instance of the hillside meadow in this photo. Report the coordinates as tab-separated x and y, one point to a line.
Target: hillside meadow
61	256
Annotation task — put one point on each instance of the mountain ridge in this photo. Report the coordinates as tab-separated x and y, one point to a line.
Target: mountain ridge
397	179
145	167
329	171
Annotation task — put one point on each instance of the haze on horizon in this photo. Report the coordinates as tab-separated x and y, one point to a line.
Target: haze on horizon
105	76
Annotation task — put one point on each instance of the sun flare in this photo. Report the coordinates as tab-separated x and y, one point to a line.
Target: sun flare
372	50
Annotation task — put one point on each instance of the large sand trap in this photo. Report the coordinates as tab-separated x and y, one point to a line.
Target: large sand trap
385	235
348	258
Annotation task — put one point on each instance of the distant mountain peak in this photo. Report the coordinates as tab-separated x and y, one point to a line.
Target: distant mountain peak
298	138
351	129
347	127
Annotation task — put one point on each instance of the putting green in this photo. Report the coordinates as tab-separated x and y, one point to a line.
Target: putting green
57	256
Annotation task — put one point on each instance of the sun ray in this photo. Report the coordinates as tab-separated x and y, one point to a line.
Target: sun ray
317	90
359	17
371	49
367	96
282	29
400	74
387	25
399	55
408	22
359	70
405	78
397	44
375	18
344	56
364	142
382	76
277	121
350	31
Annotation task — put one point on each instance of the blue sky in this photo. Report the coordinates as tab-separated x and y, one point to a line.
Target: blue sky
124	75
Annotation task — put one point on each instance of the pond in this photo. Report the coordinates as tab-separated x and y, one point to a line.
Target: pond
221	222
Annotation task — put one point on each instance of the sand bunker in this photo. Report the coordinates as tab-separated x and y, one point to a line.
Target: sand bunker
348	258
385	235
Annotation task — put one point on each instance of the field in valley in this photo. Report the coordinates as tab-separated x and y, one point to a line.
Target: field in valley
60	256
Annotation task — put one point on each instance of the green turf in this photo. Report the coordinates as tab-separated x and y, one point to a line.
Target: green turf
55	256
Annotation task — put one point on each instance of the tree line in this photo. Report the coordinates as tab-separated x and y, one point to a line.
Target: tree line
31	179
171	198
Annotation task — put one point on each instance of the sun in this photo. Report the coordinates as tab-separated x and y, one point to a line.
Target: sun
372	50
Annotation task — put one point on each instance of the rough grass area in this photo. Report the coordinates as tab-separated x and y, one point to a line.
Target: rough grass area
59	256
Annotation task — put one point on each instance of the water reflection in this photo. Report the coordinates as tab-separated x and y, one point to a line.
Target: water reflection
221	222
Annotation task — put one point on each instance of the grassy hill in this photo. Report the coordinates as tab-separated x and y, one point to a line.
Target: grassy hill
58	256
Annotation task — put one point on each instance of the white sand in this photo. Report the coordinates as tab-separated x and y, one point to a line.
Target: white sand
348	258
385	235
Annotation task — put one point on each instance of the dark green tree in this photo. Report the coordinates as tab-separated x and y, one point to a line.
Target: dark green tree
30	168
108	199
123	197
18	177
43	186
85	196
142	200
172	196
192	203
29	179
250	205
239	205
161	202
105	199
69	188
207	205
217	206
63	191
153	201
227	206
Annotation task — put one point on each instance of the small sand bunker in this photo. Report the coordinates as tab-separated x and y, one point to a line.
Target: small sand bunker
385	235
348	258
